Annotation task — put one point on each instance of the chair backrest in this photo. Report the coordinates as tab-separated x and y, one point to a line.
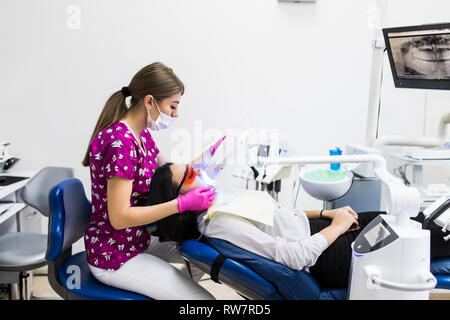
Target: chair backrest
70	213
36	191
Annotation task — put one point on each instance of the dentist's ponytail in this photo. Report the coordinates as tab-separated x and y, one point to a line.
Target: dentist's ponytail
155	79
114	109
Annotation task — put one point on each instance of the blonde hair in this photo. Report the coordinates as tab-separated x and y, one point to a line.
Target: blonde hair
155	79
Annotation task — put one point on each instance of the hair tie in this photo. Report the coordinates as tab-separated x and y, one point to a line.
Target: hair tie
126	92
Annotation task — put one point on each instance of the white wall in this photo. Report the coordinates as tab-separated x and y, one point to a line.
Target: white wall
301	68
413	112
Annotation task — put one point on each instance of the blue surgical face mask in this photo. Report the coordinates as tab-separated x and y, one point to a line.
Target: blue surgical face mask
162	122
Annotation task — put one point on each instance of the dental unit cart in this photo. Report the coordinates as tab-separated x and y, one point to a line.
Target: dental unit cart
391	256
385	246
391	261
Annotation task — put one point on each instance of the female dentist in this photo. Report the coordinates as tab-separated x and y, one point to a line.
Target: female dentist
122	157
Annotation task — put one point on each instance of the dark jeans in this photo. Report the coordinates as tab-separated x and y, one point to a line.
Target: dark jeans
333	266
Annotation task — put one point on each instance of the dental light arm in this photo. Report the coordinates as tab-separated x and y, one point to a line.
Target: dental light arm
402	202
391	140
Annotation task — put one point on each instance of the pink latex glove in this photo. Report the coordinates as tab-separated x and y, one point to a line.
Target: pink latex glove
196	199
216	145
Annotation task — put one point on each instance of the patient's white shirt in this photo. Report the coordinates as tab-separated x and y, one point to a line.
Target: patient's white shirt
288	242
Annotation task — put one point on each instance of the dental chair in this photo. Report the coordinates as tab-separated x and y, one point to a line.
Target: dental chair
255	277
252	276
69	275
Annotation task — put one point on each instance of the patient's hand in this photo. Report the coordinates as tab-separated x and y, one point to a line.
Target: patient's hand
332	213
344	221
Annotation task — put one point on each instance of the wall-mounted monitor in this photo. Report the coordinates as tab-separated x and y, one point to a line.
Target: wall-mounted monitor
419	55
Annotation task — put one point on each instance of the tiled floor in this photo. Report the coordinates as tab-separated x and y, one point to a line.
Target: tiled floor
42	289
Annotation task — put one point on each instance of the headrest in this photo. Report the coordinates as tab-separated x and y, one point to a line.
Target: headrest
36	191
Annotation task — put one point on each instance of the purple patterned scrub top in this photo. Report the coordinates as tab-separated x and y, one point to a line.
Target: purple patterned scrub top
115	151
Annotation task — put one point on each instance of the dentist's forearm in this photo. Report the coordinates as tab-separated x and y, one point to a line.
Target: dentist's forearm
140	216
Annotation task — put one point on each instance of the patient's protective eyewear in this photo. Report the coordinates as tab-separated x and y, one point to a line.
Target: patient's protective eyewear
188	178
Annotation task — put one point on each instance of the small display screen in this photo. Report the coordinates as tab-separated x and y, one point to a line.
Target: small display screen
422	54
376	234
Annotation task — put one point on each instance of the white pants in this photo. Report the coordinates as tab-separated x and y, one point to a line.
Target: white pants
170	252
153	276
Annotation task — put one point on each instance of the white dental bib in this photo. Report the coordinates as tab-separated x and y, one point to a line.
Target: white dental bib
258	206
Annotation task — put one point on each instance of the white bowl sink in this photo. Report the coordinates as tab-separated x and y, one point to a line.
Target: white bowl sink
326	184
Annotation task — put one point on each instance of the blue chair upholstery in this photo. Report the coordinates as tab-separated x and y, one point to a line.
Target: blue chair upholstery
261	278
293	285
441	270
235	274
89	287
69	275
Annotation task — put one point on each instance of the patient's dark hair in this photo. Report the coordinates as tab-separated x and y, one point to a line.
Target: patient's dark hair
179	226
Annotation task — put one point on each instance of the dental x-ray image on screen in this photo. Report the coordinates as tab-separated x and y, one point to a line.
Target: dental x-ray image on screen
420	56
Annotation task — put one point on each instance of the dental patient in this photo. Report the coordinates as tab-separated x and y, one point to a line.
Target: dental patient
315	240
